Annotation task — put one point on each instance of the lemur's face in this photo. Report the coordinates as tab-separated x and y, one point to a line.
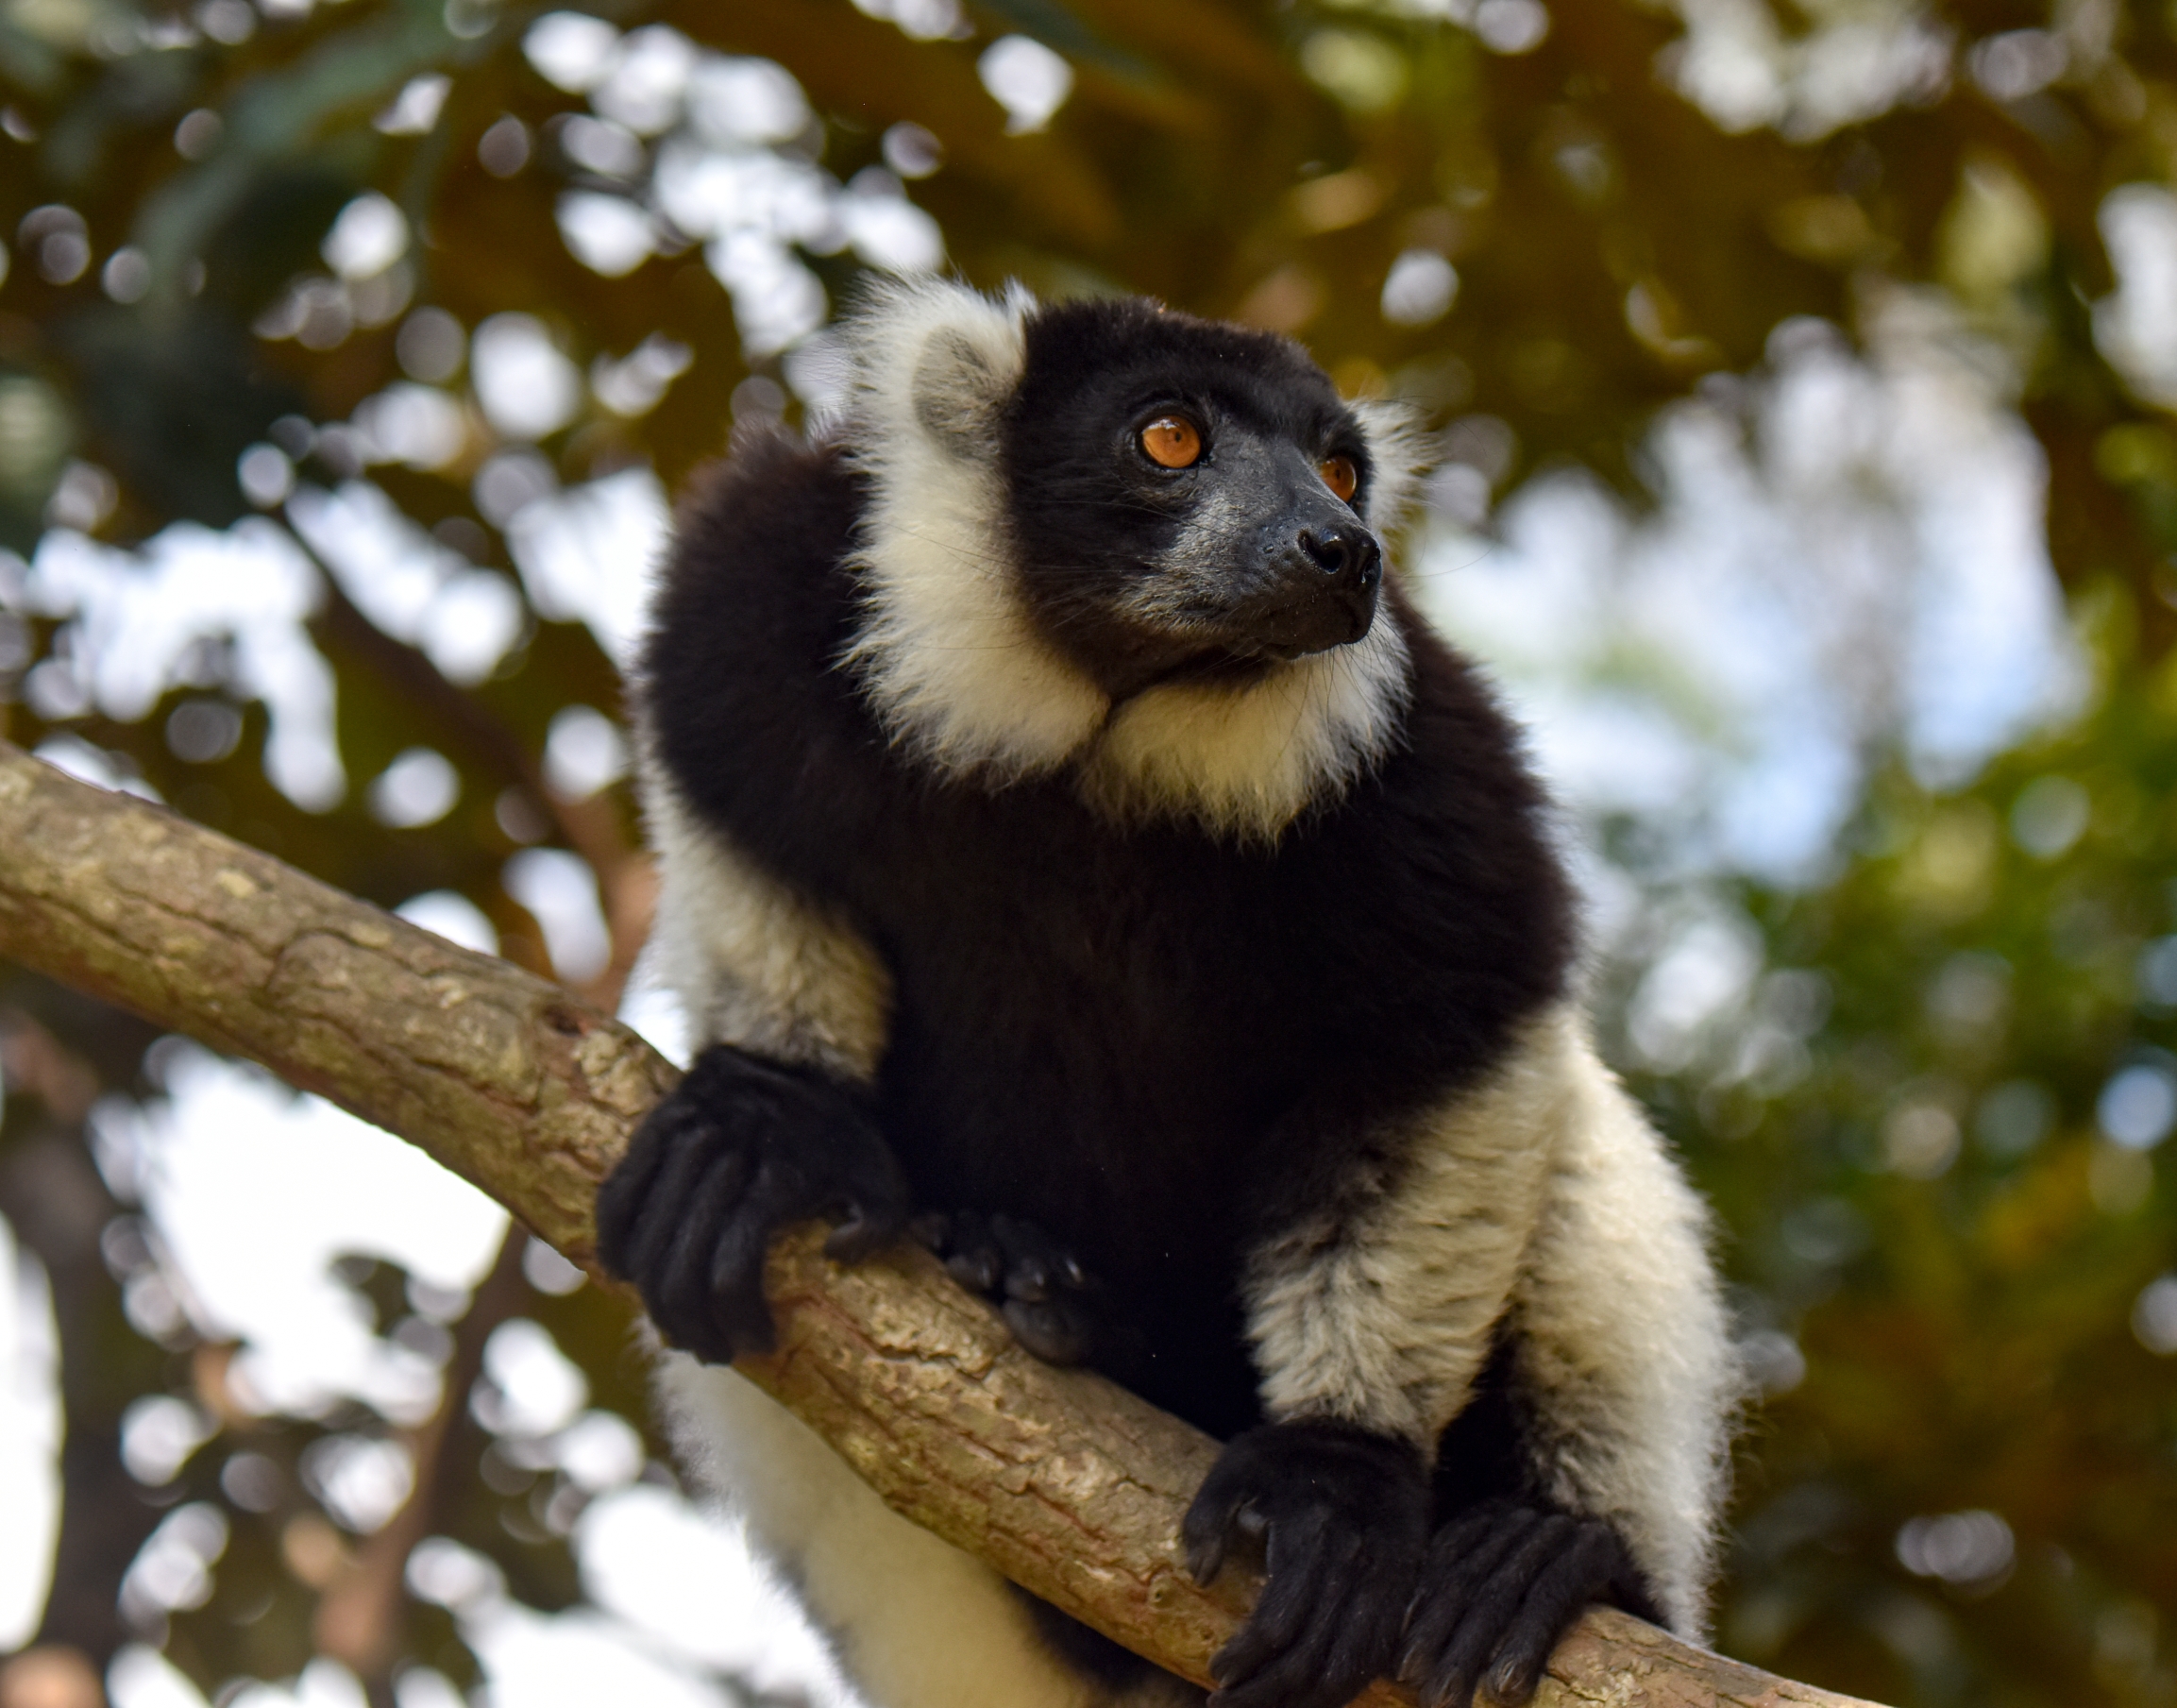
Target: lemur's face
1186	498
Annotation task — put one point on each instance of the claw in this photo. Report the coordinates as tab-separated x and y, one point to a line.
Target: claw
1028	1281
860	1236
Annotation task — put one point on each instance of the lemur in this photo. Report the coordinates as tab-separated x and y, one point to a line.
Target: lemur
1077	848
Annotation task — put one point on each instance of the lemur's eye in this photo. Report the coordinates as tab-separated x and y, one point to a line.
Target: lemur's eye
1172	441
1341	476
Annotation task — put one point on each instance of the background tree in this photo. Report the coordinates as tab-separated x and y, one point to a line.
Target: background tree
347	350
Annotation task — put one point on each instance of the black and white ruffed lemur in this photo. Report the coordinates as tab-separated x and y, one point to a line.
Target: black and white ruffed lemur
1076	848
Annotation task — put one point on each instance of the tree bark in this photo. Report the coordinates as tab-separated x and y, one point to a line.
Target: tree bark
1070	1485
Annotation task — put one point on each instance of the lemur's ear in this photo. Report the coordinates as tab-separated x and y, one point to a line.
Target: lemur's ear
958	391
934	363
1399	454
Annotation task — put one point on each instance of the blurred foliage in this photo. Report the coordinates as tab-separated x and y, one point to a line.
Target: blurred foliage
1940	1251
1948	1264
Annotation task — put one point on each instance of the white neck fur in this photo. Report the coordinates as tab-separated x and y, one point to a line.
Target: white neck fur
953	665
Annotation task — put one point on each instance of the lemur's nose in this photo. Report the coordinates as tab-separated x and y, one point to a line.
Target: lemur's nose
1346	554
1321	588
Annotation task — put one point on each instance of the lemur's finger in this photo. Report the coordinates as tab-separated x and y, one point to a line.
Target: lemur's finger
1054	1331
1308	1559
1553	1600
1461	1557
1345	1633
1490	1611
651	1231
736	1279
679	1291
1207	1532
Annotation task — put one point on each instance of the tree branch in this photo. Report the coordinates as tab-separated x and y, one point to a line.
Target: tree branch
1070	1485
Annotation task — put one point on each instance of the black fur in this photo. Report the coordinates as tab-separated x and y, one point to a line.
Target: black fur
1148	1043
1501	1582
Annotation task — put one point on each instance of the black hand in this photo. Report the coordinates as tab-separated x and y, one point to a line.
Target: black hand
1046	1297
1502	1583
1346	1518
741	1148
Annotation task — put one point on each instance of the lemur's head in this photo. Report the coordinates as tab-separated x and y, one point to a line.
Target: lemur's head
1184	496
1106	534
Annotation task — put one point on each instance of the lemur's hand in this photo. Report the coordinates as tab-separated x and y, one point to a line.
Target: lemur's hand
1502	1583
742	1147
1040	1289
1345	1518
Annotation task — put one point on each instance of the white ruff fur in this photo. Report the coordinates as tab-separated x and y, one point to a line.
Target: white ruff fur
951	660
1397	457
1542	1199
947	651
1248	763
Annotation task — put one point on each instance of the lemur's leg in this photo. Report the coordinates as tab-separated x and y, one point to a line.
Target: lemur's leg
1538	1210
1621	1380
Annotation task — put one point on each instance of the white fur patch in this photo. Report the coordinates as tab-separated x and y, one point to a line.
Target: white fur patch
1544	1199
914	1622
1397	455
1383	1315
951	660
752	963
1624	1343
1246	762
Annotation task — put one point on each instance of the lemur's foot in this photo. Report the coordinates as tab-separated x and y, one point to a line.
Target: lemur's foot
1046	1297
1502	1583
1343	1515
743	1146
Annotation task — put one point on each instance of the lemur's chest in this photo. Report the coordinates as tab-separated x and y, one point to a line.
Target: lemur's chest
1103	1022
1093	1026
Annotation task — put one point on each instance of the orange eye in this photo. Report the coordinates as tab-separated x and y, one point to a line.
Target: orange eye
1340	475
1172	441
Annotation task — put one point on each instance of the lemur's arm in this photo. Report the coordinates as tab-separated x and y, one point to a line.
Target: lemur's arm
1538	1206
1380	1305
789	1009
754	964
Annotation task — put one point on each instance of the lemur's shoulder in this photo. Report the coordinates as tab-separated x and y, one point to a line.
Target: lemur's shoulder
757	575
738	692
1460	760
